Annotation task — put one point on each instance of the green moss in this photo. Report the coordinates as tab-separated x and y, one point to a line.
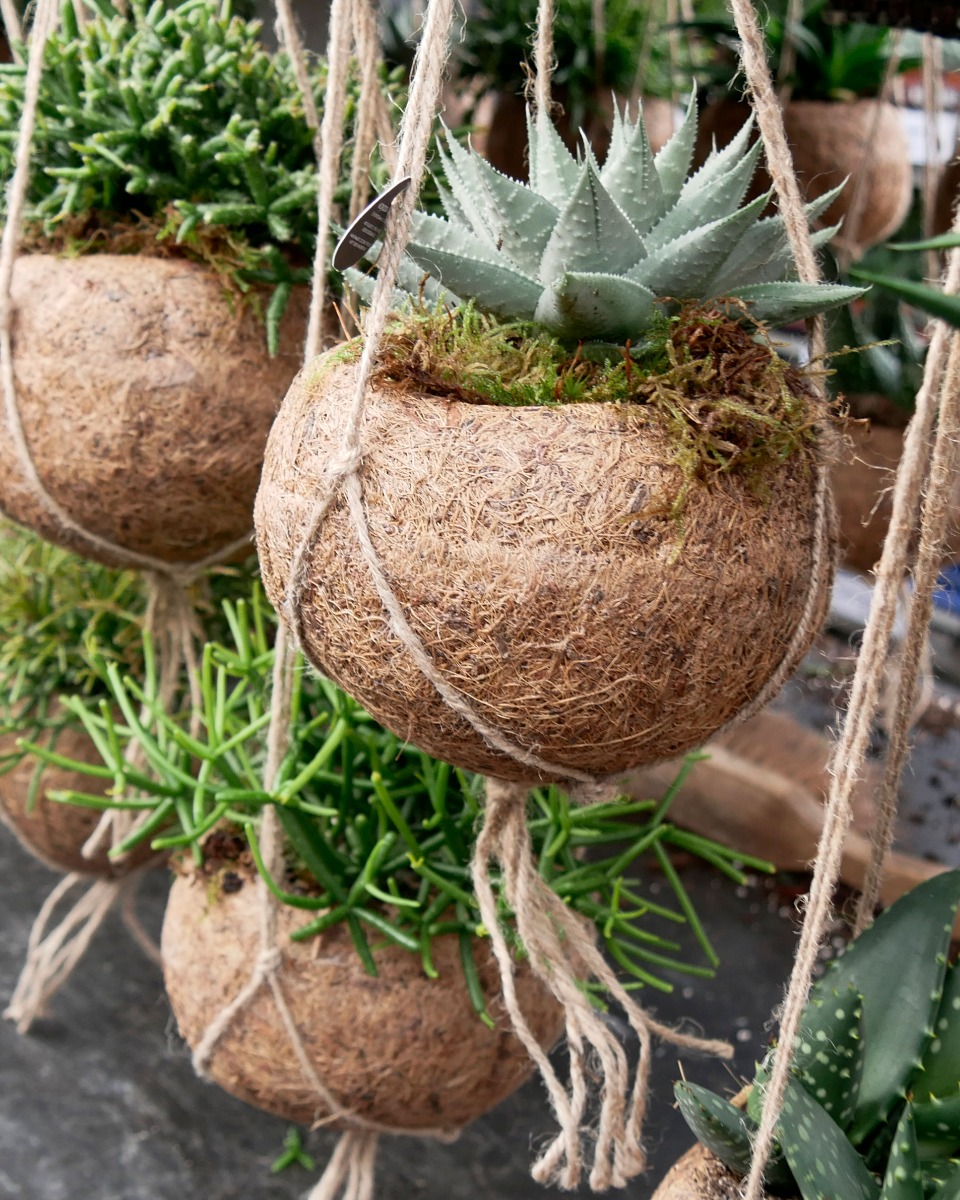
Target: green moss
728	402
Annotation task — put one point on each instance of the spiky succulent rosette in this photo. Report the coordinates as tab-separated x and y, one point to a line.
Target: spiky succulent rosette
595	253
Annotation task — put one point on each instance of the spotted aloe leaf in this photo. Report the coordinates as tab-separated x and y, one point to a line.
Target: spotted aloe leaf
495	286
555	170
945	1181
674	159
904	1178
631	177
898	964
828	1058
727	1132
940	1070
821	1159
579	304
591	234
938	1124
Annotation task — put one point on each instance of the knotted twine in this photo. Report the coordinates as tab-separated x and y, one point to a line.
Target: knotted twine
849	755
52	954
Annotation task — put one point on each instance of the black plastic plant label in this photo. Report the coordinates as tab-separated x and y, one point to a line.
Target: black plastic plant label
367	227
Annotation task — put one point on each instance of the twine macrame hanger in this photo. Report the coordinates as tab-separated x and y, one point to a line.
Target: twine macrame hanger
850	752
170	620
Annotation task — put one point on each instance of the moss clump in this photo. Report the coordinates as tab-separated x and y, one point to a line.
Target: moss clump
729	403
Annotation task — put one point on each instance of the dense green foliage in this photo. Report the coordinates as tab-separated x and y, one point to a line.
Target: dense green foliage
380	835
173	126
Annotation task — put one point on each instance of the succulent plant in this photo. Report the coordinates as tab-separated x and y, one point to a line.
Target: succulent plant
872	1110
598	253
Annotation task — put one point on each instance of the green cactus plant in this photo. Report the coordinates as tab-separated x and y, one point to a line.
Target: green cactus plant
872	1110
596	253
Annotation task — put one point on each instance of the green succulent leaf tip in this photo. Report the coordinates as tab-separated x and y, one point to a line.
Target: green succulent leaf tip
596	253
872	1110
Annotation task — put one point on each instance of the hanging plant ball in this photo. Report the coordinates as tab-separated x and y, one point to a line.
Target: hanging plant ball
169	219
397	1048
832	142
54	833
145	399
700	1175
607	554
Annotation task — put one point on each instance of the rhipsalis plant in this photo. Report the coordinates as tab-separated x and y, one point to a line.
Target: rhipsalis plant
872	1110
600	254
171	126
380	835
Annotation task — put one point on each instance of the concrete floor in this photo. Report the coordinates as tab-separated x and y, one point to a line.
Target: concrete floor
101	1103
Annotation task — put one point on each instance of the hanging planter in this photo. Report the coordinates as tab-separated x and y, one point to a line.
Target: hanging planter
376	949
870	1102
604	583
399	1049
156	305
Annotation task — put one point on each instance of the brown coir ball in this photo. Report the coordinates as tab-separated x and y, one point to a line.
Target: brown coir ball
145	394
54	833
398	1048
598	639
832	141
699	1175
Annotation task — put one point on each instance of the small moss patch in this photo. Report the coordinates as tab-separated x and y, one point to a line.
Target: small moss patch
729	403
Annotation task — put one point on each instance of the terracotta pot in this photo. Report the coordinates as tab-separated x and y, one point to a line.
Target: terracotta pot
504	142
597	641
398	1048
146	396
831	141
52	832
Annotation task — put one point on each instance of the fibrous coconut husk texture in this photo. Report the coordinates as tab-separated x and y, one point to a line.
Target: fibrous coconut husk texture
55	833
699	1175
832	141
146	393
534	555
399	1049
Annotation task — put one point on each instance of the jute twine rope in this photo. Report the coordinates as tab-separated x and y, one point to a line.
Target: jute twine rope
170	619
11	25
851	748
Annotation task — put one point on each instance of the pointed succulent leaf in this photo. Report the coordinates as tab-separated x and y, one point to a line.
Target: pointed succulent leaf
898	964
724	1130
945	1178
438	233
937	1123
718	164
364	284
592	234
414	279
903	1179
703	205
781	303
763	253
521	221
532	153
674	159
459	168
449	203
828	1059
822	1160
940	1072
631	178
684	267
557	171
597	307
494	286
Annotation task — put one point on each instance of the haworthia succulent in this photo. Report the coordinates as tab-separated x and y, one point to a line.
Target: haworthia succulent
580	247
821	1159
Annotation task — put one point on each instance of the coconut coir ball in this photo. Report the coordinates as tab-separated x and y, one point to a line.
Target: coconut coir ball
55	833
534	553
145	393
699	1175
398	1048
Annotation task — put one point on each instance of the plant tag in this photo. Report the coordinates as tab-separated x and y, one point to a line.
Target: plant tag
367	227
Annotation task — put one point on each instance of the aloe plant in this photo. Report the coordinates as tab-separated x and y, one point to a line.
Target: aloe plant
595	253
872	1110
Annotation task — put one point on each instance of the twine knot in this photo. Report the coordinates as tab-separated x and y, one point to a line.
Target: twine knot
344	462
269	961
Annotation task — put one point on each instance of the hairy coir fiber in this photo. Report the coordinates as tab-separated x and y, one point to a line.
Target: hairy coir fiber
832	141
399	1049
534	553
699	1175
145	397
55	833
